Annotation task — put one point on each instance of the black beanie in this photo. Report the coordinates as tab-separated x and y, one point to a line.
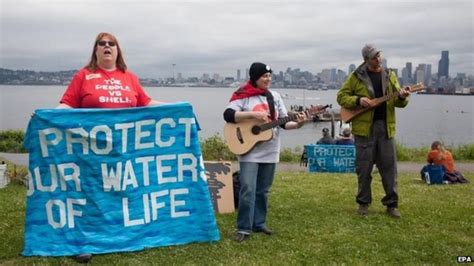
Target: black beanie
257	70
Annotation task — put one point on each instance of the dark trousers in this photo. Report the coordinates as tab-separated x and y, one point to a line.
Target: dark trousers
376	149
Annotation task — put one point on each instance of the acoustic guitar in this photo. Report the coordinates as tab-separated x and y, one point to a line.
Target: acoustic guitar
243	136
348	114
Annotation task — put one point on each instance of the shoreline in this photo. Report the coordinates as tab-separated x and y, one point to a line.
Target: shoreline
273	87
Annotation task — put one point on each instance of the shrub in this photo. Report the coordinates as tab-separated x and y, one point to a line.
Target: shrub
12	141
288	155
17	174
214	148
463	152
411	154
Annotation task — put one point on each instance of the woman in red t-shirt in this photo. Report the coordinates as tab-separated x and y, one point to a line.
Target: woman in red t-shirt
105	82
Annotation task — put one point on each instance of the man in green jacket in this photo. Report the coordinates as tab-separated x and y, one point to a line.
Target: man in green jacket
374	130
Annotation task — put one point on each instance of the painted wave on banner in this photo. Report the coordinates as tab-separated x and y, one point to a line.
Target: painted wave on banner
115	180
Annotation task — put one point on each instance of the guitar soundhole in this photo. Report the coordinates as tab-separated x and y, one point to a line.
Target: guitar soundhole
256	130
239	136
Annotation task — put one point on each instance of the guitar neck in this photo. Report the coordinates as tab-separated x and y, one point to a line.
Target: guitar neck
380	100
293	117
280	121
385	98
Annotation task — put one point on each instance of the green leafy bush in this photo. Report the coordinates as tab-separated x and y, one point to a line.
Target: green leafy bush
463	152
411	154
289	155
12	141
214	148
460	152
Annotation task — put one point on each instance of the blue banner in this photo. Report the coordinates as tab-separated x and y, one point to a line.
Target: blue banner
330	158
113	180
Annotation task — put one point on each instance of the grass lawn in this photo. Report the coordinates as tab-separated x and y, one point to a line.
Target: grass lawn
315	222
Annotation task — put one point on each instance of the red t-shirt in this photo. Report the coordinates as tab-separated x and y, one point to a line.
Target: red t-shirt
104	89
442	158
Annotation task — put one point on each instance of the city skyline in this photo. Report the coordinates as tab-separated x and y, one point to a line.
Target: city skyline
292	77
351	67
219	37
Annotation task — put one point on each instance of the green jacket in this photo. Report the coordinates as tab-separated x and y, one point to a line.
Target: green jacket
357	85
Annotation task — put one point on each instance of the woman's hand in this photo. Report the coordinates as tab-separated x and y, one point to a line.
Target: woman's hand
155	103
261	116
301	117
63	106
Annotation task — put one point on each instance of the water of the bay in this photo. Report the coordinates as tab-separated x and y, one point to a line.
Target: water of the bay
425	119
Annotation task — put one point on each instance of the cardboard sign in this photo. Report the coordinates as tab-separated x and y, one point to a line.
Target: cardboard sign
219	180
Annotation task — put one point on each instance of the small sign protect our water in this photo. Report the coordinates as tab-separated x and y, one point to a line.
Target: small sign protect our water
331	158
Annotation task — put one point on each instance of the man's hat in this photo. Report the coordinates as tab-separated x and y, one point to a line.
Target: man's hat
369	51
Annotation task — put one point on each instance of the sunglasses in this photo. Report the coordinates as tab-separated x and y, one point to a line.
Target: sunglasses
109	43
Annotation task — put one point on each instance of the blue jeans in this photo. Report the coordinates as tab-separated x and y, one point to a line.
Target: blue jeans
255	182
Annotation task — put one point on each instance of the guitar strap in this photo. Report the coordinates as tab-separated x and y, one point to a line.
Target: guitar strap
271	104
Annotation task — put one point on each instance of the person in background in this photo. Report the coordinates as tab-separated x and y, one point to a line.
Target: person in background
345	137
326	138
440	156
374	130
254	100
105	82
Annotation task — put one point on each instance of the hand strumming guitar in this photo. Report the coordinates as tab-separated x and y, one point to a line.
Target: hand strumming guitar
405	92
262	116
366	102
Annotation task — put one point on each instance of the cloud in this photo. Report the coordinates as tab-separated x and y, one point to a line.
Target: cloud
222	36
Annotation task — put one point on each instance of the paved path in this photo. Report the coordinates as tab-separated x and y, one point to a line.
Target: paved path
403	167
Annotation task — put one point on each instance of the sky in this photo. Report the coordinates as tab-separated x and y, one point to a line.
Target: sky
203	36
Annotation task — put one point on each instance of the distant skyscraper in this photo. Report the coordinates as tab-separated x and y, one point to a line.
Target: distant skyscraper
352	67
246	74
428	74
333	74
206	77
405	79
420	75
238	74
326	75
443	65
341	76
408	66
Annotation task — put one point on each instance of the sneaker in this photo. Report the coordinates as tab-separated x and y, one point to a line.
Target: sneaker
83	258
363	209
239	237
264	230
393	212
